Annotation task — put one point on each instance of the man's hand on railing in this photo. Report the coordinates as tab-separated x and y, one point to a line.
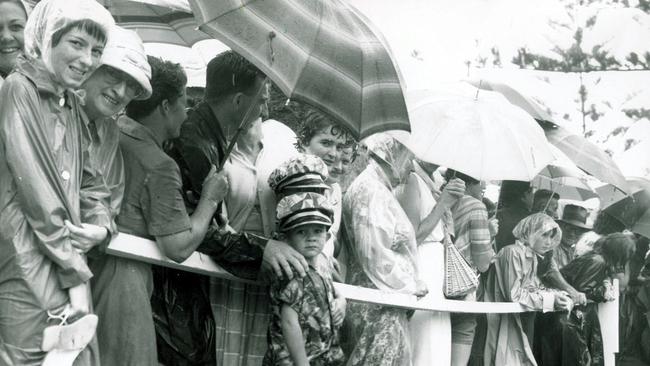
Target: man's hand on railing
282	259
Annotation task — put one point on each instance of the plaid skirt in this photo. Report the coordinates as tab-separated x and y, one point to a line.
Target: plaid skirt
241	315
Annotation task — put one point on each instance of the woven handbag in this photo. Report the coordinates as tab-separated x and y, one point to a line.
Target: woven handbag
460	277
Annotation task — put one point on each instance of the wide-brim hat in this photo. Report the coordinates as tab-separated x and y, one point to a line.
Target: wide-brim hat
302	209
576	216
300	172
124	51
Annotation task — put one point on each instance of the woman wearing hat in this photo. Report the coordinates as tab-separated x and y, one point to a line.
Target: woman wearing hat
383	251
47	182
123	76
513	277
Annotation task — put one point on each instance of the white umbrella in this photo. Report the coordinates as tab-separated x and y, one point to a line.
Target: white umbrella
477	133
563	177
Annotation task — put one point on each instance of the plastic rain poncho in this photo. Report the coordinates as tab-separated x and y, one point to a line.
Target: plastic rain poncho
381	244
513	277
42	173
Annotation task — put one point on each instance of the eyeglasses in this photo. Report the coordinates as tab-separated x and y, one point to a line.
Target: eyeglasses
114	76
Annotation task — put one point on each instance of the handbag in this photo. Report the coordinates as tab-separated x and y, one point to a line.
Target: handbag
460	278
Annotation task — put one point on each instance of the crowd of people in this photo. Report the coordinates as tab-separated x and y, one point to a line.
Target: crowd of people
96	139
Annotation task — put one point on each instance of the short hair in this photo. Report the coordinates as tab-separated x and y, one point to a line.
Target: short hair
451	174
512	192
315	122
617	249
544	196
490	206
17	2
229	73
607	224
87	25
168	82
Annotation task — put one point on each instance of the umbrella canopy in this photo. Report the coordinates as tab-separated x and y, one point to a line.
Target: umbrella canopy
564	178
485	137
633	210
515	97
583	153
324	53
159	21
586	156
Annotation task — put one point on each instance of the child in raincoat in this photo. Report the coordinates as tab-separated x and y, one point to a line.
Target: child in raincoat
44	230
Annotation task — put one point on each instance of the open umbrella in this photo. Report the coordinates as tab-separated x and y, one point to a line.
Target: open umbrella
515	97
586	156
324	53
159	21
583	153
564	178
633	210
482	135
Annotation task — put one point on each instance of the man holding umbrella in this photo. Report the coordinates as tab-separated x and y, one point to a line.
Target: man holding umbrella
235	97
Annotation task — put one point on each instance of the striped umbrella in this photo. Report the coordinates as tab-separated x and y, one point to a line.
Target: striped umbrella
159	21
322	52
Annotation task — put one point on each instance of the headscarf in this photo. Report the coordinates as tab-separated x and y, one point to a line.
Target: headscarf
50	16
532	227
390	151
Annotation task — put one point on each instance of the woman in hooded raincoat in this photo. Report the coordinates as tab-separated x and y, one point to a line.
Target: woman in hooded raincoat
43	173
383	255
513	277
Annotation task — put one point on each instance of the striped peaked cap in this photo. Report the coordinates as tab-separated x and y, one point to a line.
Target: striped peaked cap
303	208
301	171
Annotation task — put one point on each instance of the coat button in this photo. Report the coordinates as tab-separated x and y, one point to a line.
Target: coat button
61	102
65	175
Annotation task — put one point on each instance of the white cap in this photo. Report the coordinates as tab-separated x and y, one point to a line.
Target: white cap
124	51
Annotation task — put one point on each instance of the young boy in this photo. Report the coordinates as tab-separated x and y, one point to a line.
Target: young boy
303	329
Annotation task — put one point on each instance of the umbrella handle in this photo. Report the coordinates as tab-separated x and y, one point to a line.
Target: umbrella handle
241	127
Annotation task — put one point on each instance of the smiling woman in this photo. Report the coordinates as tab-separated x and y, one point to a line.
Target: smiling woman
12	24
51	218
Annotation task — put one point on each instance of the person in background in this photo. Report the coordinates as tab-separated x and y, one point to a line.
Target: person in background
514	278
383	255
603	225
573	224
321	136
546	201
490	206
304	328
474	237
47	185
577	340
428	210
13	17
515	203
153	208
123	76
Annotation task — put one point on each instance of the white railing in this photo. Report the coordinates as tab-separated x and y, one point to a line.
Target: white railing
136	248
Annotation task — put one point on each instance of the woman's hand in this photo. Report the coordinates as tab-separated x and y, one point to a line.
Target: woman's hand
215	185
453	191
86	236
420	289
493	225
